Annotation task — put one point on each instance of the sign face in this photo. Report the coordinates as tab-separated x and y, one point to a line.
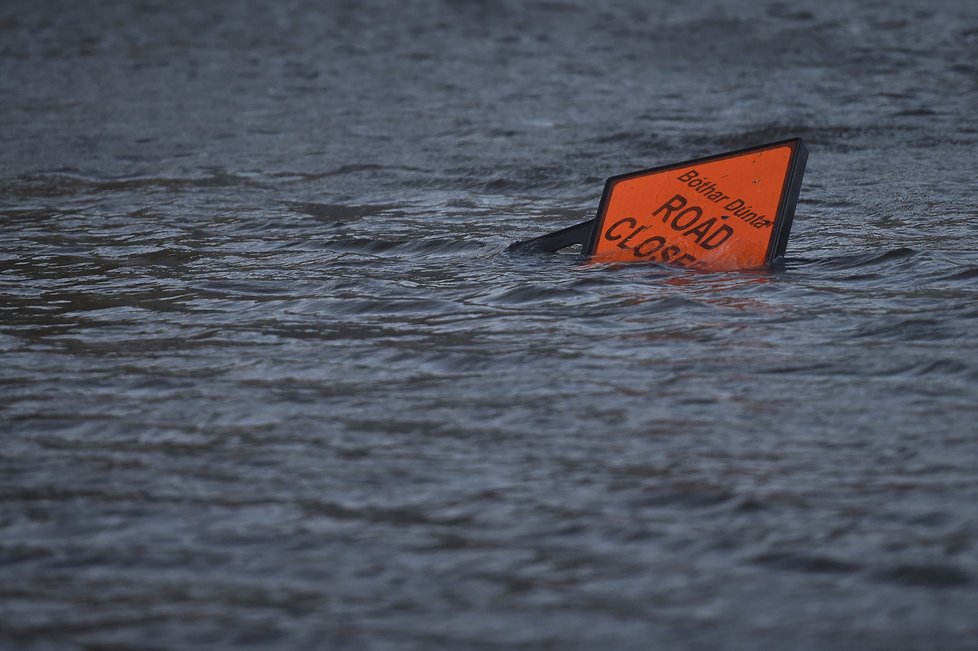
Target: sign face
720	213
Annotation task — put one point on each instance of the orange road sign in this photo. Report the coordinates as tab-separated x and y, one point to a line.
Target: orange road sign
720	213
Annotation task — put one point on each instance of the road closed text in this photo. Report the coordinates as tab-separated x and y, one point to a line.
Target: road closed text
680	217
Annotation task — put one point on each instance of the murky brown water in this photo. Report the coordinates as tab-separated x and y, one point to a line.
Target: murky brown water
270	379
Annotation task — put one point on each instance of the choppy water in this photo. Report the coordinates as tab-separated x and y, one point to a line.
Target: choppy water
270	379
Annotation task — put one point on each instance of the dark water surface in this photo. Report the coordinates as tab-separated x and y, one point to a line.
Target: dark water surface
270	379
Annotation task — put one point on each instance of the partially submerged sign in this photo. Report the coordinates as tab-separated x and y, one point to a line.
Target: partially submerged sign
720	213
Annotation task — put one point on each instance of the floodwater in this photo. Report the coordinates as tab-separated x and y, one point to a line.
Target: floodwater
271	380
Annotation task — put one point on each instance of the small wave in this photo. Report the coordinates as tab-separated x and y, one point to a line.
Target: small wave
340	213
840	138
809	563
420	247
532	293
373	305
966	274
494	180
936	575
905	329
62	184
867	259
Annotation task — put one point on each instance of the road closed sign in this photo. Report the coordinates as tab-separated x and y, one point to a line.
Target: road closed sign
719	213
727	212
